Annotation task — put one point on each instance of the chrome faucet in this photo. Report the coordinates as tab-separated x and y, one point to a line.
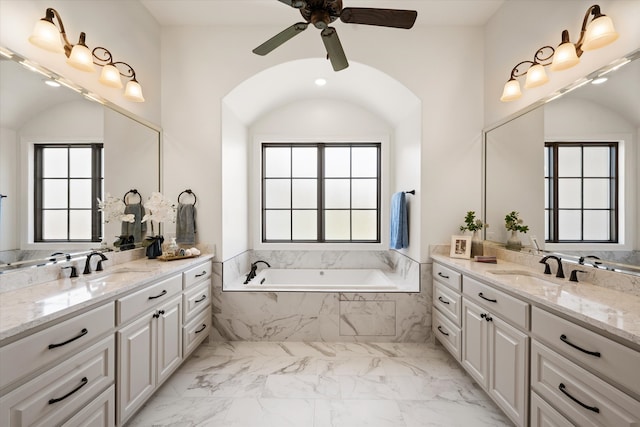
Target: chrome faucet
254	268
547	269
87	264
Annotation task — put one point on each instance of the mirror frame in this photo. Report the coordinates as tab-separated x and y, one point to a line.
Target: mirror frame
31	66
610	265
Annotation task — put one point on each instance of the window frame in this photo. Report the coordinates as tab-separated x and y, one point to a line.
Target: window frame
320	206
551	201
97	180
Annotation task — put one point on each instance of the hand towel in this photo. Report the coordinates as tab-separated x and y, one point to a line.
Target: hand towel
399	222
137	228
186	224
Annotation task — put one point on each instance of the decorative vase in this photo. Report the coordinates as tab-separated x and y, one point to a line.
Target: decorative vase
477	248
514	243
154	249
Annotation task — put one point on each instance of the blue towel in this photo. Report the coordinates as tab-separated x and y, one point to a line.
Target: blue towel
399	222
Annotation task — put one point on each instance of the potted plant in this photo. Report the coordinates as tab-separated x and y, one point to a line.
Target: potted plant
160	209
515	224
474	224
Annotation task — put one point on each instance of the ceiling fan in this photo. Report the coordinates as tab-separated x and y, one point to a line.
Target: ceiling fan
321	13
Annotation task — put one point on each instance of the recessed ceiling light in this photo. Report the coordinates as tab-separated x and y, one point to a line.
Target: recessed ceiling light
52	83
599	80
320	82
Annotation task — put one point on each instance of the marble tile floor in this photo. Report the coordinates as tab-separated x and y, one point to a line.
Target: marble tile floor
318	384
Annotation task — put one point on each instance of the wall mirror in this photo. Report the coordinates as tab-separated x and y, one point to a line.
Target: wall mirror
31	113
515	164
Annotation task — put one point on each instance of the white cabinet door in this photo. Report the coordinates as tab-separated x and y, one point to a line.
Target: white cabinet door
474	341
508	379
169	338
137	364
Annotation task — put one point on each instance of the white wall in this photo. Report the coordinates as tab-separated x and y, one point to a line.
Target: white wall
433	63
124	27
9	187
519	28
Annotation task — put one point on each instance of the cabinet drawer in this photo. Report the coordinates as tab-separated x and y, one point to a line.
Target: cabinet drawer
196	274
511	309
196	331
447	301
56	395
57	342
614	360
138	302
543	414
585	399
196	299
447	333
447	276
99	413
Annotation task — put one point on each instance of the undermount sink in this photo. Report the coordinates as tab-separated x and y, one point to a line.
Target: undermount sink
112	276
524	277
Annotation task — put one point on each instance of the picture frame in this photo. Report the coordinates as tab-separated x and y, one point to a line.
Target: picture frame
460	247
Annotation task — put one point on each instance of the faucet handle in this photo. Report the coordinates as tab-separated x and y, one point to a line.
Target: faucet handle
547	268
74	271
573	277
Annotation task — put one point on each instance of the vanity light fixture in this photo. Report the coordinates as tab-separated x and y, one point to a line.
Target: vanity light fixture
595	34
46	35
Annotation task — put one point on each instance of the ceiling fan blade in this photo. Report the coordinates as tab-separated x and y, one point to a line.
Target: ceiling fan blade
396	18
334	49
280	38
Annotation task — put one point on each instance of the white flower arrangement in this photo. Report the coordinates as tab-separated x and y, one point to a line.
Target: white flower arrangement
113	209
160	209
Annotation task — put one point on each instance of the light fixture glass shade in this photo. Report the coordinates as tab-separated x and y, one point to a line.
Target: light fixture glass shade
536	76
133	91
110	76
81	58
511	91
564	57
45	35
600	32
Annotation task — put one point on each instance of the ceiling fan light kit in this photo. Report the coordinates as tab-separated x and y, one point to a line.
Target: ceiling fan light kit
593	35
321	13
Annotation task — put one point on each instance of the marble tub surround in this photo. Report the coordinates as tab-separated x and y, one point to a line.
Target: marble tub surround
320	384
322	316
400	269
615	313
29	307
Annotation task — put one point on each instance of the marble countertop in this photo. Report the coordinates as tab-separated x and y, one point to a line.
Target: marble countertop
609	310
29	307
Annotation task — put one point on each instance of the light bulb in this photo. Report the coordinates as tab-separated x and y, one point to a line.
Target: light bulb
110	76
564	57
133	91
45	35
81	58
511	91
536	76
600	32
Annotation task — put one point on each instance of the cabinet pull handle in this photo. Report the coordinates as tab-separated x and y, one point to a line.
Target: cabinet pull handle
441	331
201	329
83	332
562	388
83	383
480	294
202	298
442	275
163	293
486	317
201	274
443	300
565	340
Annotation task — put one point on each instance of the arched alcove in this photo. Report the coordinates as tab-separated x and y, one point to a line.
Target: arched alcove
289	89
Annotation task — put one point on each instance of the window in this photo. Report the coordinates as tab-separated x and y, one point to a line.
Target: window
321	192
68	181
581	192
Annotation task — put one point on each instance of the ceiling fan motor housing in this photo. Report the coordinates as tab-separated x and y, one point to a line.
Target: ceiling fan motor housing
321	12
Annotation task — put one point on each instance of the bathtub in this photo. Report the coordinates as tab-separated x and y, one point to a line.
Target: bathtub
321	280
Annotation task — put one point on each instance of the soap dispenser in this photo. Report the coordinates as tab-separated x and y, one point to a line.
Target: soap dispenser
173	249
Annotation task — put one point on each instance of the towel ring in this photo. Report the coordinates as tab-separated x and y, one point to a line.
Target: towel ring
134	192
188	191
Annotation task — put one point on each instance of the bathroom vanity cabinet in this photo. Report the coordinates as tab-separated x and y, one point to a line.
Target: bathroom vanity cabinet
541	368
98	365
